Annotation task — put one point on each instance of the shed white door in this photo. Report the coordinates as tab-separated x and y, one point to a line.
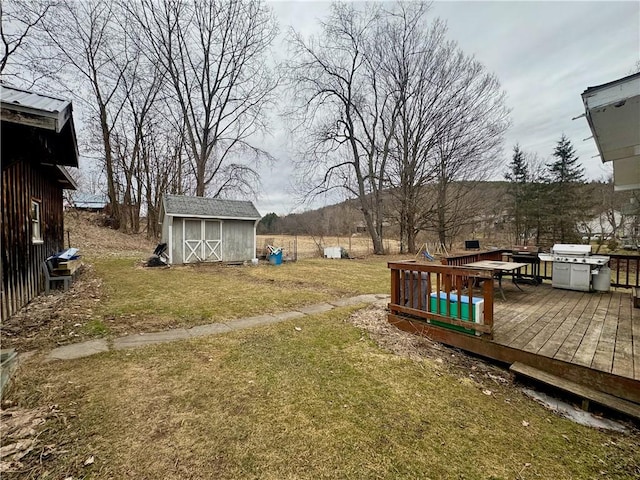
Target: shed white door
202	241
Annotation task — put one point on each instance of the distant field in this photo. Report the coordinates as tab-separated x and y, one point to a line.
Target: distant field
309	247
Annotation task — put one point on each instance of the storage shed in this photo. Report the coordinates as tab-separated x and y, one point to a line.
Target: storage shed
199	229
38	142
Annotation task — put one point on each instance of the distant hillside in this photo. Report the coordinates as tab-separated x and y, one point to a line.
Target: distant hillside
345	218
486	217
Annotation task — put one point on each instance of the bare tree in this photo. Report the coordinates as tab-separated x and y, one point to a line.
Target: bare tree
419	51
87	42
343	103
141	85
214	56
462	127
392	104
20	18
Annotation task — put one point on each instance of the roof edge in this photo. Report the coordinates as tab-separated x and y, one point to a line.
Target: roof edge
73	185
219	217
611	83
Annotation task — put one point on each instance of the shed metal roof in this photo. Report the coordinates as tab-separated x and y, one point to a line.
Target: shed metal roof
181	205
33	100
89	200
51	116
57	110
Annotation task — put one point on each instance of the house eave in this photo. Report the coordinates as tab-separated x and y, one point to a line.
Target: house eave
613	114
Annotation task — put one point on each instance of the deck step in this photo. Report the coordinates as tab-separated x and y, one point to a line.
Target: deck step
618	404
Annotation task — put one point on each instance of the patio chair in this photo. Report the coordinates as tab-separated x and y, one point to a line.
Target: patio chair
50	279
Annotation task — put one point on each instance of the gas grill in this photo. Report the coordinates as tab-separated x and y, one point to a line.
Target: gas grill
572	265
527	254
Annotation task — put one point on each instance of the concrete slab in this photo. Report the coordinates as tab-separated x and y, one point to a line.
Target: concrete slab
248	322
142	339
78	350
317	308
288	315
210	329
345	302
381	303
85	349
366	298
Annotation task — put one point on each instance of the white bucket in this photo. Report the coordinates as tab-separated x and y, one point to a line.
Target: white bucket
601	279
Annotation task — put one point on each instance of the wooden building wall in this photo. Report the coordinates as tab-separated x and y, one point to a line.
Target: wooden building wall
22	180
238	240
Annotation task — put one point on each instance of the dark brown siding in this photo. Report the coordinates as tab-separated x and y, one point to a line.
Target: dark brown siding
22	180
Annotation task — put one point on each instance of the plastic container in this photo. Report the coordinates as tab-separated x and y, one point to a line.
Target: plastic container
275	258
601	279
333	252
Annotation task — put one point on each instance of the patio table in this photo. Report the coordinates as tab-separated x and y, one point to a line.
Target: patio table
499	269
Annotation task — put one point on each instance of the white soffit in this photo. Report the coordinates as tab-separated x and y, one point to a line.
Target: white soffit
613	113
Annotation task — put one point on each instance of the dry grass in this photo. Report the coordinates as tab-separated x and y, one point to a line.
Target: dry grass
138	299
116	295
322	402
86	234
359	245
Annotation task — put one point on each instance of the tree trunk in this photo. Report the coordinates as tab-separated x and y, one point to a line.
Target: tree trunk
108	161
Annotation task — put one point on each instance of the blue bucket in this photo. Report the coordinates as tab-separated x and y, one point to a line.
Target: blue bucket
275	258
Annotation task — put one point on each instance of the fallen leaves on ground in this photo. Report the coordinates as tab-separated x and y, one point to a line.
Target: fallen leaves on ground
57	319
19	431
374	321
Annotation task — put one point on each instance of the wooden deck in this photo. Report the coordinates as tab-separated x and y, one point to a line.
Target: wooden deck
588	339
600	331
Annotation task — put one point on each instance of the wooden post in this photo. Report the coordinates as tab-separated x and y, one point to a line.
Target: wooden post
395	291
488	304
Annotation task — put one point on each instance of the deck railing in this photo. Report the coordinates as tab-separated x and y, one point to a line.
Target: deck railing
625	269
534	271
446	296
470	257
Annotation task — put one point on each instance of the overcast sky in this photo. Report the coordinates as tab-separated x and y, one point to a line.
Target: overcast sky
544	53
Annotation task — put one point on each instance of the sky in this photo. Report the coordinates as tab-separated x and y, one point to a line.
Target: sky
545	54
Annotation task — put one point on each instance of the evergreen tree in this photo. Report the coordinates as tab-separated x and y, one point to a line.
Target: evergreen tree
268	224
518	177
565	169
567	207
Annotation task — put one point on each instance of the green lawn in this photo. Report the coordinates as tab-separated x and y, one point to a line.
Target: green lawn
190	295
321	402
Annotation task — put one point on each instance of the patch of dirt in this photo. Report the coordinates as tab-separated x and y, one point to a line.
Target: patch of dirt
487	376
86	231
49	321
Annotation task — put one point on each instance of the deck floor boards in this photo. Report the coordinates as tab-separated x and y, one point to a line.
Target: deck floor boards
553	345
551	328
511	326
588	346
570	345
597	330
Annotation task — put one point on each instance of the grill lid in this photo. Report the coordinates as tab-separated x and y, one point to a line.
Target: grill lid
571	249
